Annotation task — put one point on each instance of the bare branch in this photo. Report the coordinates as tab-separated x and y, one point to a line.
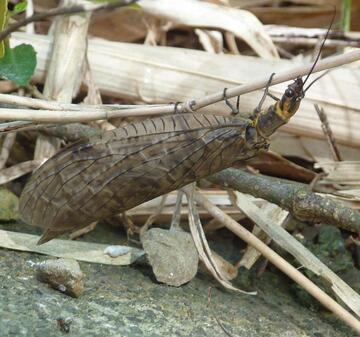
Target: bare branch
68	116
328	133
64	11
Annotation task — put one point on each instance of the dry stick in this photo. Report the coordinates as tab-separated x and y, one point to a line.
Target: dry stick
152	218
175	221
279	262
6	147
327	63
309	41
64	11
82	231
328	133
48	116
36	103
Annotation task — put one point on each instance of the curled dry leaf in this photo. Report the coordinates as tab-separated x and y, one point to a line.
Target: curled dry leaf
193	13
218	270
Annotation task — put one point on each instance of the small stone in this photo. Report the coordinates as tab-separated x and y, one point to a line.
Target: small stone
64	324
116	251
172	255
64	275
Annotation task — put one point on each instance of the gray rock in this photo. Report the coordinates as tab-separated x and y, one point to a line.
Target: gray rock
63	275
172	255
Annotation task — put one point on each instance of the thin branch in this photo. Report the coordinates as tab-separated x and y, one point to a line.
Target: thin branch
6	147
175	221
326	63
37	103
308	41
328	133
84	115
68	116
279	262
64	11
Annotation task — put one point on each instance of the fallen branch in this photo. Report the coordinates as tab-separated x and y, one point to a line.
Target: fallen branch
294	197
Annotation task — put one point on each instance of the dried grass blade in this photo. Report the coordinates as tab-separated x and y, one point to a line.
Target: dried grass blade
275	214
18	170
202	244
81	251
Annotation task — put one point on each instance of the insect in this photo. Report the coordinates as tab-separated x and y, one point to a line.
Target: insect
122	168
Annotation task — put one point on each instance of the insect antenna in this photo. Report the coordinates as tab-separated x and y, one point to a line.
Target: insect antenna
319	53
316	79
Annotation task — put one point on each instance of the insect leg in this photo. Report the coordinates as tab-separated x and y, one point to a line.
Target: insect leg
176	108
266	93
234	111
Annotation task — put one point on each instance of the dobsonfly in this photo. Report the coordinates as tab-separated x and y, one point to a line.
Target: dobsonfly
122	168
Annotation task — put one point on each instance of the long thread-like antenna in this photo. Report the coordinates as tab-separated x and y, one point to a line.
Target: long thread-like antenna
321	47
316	79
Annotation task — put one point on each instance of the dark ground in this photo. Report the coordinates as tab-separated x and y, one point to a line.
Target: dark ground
126	301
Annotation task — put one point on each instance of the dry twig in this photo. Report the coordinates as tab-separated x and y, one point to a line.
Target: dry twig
328	133
68	116
64	11
6	147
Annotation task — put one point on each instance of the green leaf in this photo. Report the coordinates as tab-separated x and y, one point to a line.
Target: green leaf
135	6
3	22
18	64
346	15
19	7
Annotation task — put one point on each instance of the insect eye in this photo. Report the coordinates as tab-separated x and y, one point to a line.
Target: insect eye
289	92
